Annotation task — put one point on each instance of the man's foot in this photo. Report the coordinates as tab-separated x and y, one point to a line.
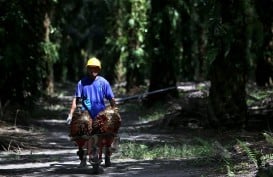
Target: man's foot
82	156
83	163
80	153
107	161
115	144
94	160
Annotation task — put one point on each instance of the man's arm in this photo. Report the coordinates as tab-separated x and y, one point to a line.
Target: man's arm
72	109
112	103
73	106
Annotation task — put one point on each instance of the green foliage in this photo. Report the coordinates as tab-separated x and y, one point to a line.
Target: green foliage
51	51
268	138
256	95
252	154
267	157
261	94
135	29
117	31
229	168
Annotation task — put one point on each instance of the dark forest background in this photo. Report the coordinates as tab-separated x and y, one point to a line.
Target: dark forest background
152	43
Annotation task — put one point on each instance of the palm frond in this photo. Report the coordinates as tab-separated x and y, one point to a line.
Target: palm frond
251	154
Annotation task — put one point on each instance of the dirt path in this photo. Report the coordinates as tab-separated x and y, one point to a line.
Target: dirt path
56	156
53	154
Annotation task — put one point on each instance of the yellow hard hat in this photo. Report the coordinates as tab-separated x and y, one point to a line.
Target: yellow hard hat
93	62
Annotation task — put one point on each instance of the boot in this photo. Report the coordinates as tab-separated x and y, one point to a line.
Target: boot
94	157
115	144
80	153
107	157
83	162
107	161
82	156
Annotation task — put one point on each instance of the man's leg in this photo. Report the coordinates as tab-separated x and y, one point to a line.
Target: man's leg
89	147
107	157
82	152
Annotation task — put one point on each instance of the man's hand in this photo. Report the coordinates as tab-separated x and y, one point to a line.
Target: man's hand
69	119
112	103
115	109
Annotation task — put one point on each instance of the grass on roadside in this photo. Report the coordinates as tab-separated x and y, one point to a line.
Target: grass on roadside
141	151
151	117
147	151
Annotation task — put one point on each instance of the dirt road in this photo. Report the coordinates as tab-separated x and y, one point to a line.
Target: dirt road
51	153
56	156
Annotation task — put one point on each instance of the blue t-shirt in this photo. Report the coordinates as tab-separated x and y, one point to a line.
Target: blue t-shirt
94	92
